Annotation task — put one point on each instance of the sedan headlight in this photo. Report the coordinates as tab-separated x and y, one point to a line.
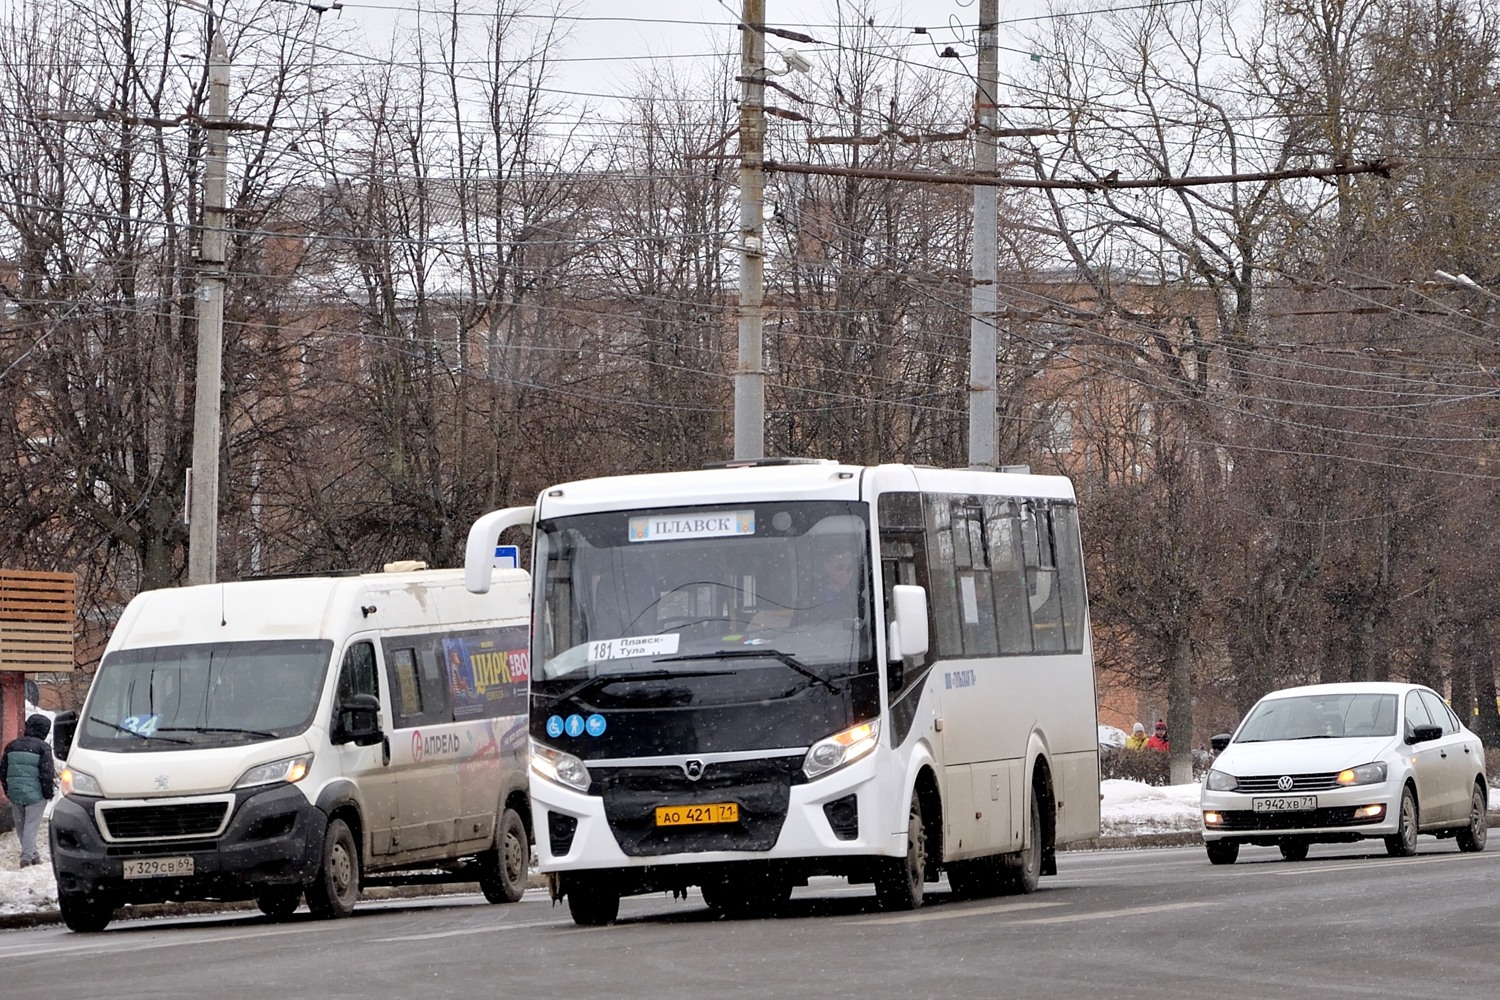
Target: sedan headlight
1220	781
558	767
288	770
1365	774
841	748
77	783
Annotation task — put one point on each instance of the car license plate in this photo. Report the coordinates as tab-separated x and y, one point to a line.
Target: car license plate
158	867
1285	803
709	812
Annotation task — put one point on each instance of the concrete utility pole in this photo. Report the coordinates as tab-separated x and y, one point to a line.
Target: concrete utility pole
750	375
203	526
983	298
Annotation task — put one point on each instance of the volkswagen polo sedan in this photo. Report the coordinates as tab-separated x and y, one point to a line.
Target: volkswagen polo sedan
1332	763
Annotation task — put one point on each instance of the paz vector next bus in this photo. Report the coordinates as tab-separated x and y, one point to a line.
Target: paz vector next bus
749	675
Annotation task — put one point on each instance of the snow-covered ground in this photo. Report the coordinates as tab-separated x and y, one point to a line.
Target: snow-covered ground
1129	807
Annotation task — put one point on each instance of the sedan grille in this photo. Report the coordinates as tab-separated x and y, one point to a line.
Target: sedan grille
1243	820
1271	784
168	820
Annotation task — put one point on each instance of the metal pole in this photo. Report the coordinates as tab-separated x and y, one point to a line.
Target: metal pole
983	300
203	529
750	375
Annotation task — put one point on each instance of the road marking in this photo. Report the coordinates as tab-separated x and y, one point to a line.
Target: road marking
1069	918
469	930
960	911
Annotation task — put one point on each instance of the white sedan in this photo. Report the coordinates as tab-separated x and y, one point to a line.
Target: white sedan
1331	763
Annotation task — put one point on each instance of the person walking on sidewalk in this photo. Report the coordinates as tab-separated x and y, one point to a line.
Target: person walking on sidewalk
28	780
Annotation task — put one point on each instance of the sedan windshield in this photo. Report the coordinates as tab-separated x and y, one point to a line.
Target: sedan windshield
1310	717
210	694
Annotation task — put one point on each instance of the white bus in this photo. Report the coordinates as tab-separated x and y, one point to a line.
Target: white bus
748	675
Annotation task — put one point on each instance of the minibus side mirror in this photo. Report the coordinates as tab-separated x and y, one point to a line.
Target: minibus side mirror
358	721
64	727
907	635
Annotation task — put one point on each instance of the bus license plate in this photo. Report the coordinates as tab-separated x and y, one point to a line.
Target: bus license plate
158	867
710	812
1285	803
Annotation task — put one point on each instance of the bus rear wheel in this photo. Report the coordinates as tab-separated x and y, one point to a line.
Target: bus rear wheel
900	881
504	871
1023	871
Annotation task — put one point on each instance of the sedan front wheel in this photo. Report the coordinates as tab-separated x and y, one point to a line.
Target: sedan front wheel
1403	843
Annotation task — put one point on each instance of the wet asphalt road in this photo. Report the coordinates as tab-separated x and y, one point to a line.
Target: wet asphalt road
1348	922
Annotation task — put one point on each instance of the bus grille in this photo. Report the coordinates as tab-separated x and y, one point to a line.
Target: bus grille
761	788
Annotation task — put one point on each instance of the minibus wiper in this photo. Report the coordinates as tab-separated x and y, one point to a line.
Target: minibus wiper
218	729
776	654
601	680
132	732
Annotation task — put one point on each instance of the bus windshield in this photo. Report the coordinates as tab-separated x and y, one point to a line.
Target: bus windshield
207	694
774	596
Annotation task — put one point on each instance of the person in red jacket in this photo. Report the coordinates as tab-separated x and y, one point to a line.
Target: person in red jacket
1158	740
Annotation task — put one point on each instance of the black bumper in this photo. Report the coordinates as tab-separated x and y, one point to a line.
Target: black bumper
274	839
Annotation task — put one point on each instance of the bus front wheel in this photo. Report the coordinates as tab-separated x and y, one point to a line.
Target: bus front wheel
899	884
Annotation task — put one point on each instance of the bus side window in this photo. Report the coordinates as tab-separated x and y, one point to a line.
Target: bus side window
1008	575
357	674
406	694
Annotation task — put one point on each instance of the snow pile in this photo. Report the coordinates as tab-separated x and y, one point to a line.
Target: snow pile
1133	807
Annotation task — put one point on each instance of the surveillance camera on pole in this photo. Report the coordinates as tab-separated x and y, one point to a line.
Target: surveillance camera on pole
796	62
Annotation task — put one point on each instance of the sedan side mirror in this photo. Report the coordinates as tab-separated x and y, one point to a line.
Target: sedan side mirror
1424	734
1219	742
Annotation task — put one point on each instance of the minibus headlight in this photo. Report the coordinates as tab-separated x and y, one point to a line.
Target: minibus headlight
841	748
289	770
558	767
77	783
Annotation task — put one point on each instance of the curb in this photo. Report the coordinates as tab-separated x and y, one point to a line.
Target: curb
146	911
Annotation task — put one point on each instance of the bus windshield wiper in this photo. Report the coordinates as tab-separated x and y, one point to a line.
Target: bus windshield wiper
603	680
138	735
776	654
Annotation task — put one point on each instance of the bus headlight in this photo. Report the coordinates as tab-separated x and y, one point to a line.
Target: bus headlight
78	783
841	748
288	770
558	767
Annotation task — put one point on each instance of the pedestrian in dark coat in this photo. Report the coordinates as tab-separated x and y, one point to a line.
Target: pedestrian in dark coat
28	780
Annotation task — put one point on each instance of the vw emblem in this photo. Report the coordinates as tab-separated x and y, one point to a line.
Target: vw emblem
1285	782
693	769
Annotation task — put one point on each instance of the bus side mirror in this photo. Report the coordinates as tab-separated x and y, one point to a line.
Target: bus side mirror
358	721
64	727
907	635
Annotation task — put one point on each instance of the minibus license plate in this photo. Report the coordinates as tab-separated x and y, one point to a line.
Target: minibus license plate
710	812
158	867
1285	803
